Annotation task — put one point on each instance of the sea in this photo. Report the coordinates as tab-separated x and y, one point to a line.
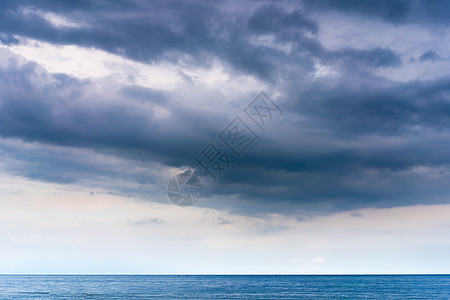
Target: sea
224	286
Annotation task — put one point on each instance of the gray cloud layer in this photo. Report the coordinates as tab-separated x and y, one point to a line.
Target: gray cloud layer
350	141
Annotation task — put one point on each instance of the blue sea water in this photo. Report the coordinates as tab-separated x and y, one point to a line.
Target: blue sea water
225	287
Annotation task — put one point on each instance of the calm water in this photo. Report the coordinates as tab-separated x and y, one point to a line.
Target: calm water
224	287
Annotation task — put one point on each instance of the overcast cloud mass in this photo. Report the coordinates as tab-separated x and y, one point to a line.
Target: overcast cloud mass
117	97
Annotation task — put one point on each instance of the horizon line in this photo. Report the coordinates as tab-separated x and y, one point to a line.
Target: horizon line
224	274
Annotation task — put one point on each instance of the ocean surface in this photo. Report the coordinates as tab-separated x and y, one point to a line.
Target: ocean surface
224	287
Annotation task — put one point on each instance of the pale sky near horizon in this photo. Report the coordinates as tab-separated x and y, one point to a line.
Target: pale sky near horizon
102	103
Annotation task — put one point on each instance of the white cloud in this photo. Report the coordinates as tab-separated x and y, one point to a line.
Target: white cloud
84	63
54	19
319	259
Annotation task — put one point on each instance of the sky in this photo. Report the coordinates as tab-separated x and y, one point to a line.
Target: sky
343	166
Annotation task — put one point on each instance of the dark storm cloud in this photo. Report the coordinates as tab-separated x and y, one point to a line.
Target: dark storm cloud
54	108
429	55
355	171
374	143
273	18
151	31
377	57
143	31
354	140
396	11
391	10
377	107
